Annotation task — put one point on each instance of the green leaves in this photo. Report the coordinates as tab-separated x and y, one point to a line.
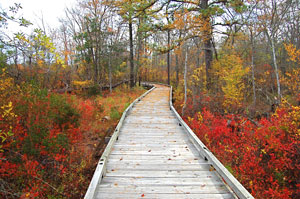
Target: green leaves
5	16
3	137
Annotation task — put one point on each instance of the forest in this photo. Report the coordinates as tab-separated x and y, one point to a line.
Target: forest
234	66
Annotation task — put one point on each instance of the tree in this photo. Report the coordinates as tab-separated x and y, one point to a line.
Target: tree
127	11
273	13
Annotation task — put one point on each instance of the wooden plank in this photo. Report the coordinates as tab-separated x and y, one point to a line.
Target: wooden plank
161	150
165	196
170	141
141	140
207	189
159	167
214	180
150	152
152	127
157	157
151	136
166	161
152	131
162	144
160	173
152	147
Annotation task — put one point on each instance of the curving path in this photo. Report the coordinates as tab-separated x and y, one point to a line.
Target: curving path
154	158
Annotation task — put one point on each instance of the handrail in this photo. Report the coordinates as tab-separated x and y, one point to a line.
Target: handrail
101	166
232	182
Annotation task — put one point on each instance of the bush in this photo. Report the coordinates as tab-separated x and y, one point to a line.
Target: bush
42	134
264	157
94	90
114	113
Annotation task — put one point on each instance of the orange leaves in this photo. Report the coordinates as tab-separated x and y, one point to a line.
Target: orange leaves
196	24
294	54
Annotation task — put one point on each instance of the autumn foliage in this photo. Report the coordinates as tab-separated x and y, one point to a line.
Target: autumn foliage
45	138
263	155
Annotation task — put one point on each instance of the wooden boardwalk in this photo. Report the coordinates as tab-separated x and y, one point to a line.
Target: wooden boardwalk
154	157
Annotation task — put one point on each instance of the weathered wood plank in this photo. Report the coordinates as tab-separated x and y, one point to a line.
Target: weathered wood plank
150	152
165	196
160	167
157	157
166	161
162	181
159	173
209	189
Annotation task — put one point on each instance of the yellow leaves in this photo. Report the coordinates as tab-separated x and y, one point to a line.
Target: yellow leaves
7	116
251	182
5	82
294	54
7	111
40	62
85	83
228	149
123	65
291	80
199	116
230	70
190	119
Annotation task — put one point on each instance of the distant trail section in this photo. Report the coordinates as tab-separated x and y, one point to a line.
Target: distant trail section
154	157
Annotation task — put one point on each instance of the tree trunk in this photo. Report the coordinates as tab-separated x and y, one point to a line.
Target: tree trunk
168	58
276	69
208	59
252	66
185	80
208	53
131	76
177	69
110	75
271	39
93	55
138	59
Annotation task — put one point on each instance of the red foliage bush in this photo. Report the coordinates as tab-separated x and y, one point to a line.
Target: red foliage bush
263	156
37	158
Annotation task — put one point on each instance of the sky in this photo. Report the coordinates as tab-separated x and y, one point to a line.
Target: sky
32	10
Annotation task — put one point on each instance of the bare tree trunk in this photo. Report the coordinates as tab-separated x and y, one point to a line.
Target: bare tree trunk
131	76
139	50
208	53
185	80
177	69
110	75
276	67
168	58
138	59
252	66
93	54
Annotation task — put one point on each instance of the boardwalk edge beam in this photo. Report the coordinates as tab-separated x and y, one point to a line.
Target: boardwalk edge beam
232	182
